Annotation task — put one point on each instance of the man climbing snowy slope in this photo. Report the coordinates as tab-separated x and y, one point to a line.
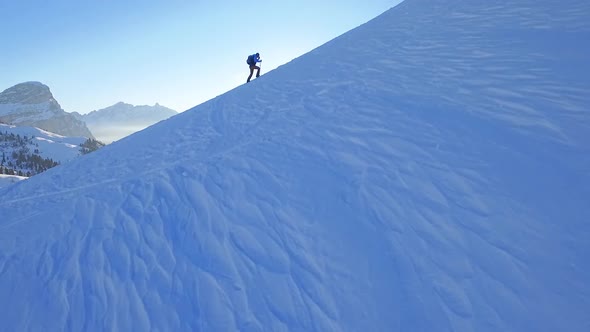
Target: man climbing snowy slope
251	61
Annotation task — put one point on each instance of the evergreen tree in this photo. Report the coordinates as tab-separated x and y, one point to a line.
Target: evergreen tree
90	145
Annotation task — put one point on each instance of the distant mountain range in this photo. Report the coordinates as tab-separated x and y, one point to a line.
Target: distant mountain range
32	104
120	120
37	134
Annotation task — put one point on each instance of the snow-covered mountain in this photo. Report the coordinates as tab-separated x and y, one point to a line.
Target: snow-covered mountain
29	150
426	171
120	120
32	104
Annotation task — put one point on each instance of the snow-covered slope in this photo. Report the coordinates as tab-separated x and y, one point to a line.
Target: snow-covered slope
7	180
50	145
32	104
427	171
121	120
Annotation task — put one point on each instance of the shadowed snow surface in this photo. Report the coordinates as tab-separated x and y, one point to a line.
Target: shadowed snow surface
427	171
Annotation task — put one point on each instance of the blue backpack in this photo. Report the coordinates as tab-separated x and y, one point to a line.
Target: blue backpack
250	60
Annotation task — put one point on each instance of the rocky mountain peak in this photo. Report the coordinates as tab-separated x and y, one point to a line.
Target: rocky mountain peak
27	93
32	104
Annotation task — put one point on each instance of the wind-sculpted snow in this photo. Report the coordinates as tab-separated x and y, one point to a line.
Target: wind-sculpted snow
427	171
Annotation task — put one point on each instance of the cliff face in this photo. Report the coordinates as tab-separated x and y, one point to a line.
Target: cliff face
32	104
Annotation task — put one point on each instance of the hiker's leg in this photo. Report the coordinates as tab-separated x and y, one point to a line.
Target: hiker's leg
258	71
251	72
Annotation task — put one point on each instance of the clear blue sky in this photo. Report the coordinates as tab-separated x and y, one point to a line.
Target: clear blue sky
93	54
